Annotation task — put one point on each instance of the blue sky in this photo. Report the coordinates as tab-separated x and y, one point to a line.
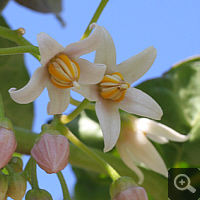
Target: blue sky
172	27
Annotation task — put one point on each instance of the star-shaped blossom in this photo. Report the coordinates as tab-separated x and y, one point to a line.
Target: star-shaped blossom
114	91
61	70
134	147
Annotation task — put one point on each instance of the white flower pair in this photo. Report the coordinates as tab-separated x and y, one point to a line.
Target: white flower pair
104	82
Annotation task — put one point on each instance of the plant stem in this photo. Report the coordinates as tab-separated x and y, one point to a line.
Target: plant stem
34	182
19	49
66	195
1	107
95	18
77	103
15	36
108	168
68	118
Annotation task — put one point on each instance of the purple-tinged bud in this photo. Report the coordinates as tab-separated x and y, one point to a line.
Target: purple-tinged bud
8	142
51	152
124	188
38	194
3	186
16	186
132	193
16	163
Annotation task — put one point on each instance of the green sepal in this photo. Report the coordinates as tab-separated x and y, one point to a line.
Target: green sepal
120	185
6	123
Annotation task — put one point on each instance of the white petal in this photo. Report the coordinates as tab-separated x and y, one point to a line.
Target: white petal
48	47
142	151
32	89
59	99
85	46
158	129
158	139
126	155
90	73
140	103
106	53
136	66
109	119
90	92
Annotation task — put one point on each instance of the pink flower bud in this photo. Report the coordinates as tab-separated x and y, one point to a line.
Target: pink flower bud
8	145
51	152
132	193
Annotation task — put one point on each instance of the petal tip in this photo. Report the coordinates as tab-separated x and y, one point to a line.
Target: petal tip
12	90
93	25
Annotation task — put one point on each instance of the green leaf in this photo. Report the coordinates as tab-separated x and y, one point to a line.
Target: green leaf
14	74
90	185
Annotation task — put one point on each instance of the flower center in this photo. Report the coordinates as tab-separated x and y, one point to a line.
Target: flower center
113	87
64	72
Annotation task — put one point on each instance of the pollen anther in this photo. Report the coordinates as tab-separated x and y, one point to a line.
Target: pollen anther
113	87
64	72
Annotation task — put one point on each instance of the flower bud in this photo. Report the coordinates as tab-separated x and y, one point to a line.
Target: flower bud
16	163
3	186
8	144
132	193
38	194
16	186
124	188
51	152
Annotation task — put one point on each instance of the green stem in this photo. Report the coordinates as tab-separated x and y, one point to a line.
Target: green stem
19	49
34	182
15	36
77	103
66	195
1	107
107	167
94	18
68	118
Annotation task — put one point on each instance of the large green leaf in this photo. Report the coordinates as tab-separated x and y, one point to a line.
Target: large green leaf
14	74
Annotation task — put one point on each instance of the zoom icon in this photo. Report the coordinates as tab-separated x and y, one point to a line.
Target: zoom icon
184	184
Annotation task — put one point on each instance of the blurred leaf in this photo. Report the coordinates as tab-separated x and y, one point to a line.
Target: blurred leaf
45	6
3	3
178	93
91	185
191	148
14	74
87	130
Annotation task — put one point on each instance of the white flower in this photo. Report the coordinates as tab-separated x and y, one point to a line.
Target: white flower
61	69
114	91
134	147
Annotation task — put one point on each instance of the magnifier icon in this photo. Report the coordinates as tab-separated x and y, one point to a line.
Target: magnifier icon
184	178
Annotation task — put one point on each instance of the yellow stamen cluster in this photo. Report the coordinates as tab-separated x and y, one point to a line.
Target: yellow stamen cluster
113	87
64	72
